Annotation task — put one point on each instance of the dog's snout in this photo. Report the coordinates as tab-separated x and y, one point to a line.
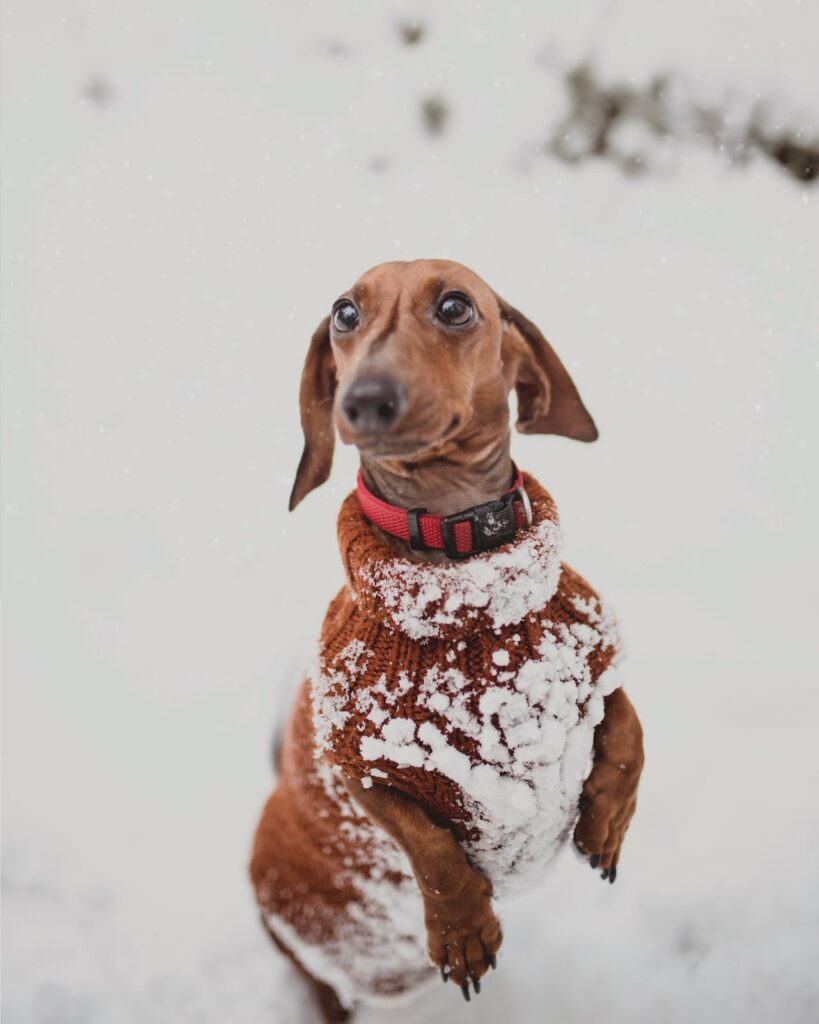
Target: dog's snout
372	404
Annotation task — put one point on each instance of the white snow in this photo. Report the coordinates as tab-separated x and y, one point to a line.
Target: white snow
521	797
505	585
326	691
350	964
353	961
166	255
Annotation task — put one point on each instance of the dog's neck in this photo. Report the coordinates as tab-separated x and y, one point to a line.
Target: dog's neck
442	484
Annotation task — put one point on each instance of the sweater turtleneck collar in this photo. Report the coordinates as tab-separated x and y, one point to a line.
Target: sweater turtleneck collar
485	592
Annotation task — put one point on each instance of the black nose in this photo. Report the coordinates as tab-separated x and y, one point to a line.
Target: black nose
373	403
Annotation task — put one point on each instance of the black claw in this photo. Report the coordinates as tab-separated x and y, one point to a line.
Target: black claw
476	984
604	874
465	990
612	876
493	961
595	860
444	975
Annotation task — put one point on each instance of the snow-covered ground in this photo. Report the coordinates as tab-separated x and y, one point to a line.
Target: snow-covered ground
187	187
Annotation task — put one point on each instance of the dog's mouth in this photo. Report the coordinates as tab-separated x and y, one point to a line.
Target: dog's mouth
403	446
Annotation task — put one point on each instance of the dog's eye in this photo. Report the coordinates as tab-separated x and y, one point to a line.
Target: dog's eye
456	309
345	316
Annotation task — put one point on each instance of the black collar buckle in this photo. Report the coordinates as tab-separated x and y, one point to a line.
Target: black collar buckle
493	524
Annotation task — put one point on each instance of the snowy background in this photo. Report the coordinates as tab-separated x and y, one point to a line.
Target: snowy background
187	187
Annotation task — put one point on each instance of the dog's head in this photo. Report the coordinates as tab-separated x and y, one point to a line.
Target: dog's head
417	356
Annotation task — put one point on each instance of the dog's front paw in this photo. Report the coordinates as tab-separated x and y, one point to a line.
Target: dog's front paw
463	934
602	826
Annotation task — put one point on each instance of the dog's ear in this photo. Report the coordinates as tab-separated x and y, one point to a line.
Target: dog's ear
548	402
316	393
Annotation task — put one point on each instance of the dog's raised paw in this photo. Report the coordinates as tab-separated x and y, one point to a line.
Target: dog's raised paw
604	819
464	937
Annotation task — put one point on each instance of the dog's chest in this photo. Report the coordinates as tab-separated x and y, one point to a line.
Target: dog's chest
492	733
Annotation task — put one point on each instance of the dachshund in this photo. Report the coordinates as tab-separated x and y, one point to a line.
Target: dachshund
464	718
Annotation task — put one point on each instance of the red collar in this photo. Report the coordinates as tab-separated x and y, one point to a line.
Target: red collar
461	534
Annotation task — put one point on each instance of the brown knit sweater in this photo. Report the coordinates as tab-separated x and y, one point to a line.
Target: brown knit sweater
474	687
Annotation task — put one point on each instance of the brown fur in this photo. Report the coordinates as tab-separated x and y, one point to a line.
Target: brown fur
448	450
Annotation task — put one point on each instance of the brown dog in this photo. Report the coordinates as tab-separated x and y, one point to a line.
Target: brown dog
442	751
